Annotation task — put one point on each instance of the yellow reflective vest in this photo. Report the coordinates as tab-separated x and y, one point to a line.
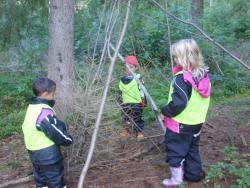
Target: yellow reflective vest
130	92
196	109
33	138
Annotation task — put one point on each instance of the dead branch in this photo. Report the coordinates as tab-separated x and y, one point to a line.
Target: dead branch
169	37
148	96
244	142
132	157
98	120
106	41
211	125
145	150
202	32
99	29
15	182
218	66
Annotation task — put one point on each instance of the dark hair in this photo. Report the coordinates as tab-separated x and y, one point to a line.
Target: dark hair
41	85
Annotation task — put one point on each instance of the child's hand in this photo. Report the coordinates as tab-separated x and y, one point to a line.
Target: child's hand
143	103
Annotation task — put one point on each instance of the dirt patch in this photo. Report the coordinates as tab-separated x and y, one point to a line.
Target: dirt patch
229	125
14	162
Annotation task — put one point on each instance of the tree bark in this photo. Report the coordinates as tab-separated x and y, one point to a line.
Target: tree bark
60	53
196	11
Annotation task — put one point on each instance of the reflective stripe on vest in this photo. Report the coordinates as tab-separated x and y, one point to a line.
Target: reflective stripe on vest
130	92
33	138
196	109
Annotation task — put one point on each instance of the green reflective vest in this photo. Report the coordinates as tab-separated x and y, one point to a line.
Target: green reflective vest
130	92
33	138
196	109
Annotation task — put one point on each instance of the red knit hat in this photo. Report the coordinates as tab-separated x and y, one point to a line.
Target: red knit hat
131	60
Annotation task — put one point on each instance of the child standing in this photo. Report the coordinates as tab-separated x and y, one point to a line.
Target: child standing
43	135
133	100
186	112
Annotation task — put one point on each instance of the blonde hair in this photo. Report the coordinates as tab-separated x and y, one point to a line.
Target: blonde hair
187	54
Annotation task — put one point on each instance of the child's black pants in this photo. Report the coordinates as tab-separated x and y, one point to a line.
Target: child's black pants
132	116
183	148
51	176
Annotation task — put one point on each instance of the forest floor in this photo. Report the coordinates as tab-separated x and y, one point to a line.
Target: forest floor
228	125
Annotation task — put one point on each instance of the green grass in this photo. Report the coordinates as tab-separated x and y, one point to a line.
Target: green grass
15	90
233	166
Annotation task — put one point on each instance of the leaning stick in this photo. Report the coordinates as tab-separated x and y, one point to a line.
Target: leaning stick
149	98
98	120
202	32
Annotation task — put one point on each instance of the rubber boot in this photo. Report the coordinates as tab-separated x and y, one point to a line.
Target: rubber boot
176	177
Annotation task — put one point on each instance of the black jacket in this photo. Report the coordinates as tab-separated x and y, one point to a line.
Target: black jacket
56	130
180	96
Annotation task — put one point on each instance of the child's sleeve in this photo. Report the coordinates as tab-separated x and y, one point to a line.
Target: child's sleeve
180	96
55	129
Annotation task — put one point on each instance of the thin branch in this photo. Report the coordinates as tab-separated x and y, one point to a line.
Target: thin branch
99	29
203	33
169	38
98	120
218	66
106	41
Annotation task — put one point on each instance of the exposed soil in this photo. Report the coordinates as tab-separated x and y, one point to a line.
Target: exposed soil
228	125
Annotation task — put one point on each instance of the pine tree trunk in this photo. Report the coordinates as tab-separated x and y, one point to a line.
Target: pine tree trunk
60	53
196	11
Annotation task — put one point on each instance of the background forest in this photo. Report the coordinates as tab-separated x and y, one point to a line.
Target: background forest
24	28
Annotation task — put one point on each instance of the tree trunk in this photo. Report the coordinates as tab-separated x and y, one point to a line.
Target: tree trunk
211	3
196	11
60	53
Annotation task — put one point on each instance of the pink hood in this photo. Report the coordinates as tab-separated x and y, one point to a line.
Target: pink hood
203	87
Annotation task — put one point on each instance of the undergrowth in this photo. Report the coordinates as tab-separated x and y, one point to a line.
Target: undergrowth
233	166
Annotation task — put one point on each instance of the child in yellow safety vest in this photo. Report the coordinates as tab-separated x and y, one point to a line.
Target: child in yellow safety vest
133	101
43	136
186	112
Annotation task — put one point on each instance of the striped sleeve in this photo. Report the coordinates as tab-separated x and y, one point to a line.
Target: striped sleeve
56	130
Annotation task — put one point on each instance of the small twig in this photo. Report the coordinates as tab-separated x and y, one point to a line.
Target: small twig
218	66
154	136
18	181
243	140
211	125
230	138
